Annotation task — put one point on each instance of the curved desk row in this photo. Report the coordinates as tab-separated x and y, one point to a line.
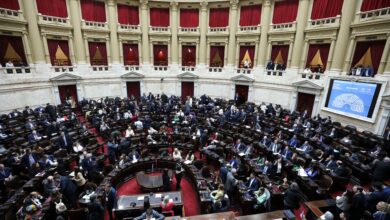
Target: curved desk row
152	164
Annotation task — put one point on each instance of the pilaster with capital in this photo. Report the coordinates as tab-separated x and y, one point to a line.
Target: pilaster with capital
304	54
71	51
145	30
290	49
26	44
384	64
112	21
331	54
174	28
232	31
265	21
303	9
269	48
75	18
348	56
46	48
348	12
203	31
33	30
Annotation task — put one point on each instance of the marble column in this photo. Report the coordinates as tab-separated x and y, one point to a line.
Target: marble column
174	28
112	21
303	11
265	22
203	32
30	11
75	18
232	32
344	33
385	57
145	30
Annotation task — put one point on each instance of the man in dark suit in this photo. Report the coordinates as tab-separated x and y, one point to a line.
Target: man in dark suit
28	159
330	163
134	156
68	188
110	199
65	142
253	184
223	172
51	111
27	111
15	113
34	137
30	125
265	141
381	170
356	209
287	153
5	173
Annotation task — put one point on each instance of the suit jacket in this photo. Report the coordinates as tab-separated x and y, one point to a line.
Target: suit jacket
381	171
234	163
223	173
61	142
265	142
331	165
287	154
26	160
5	174
131	155
31	138
254	186
230	183
110	198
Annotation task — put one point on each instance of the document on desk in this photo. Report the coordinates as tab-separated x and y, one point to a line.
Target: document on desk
140	198
302	172
158	195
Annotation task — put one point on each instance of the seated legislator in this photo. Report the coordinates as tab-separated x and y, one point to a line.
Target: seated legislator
176	154
167	205
217	195
261	196
253	183
149	212
190	157
34	137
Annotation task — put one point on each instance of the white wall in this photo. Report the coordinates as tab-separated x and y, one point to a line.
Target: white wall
35	91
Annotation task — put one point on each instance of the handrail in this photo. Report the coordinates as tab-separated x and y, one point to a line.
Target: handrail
364	15
16	70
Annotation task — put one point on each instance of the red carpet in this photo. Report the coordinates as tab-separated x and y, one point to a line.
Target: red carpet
190	199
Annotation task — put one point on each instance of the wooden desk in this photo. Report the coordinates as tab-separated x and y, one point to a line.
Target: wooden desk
216	216
265	216
132	205
314	206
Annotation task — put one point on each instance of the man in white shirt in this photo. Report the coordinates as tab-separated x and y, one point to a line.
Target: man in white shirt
9	64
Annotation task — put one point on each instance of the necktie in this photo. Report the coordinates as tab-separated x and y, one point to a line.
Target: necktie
66	144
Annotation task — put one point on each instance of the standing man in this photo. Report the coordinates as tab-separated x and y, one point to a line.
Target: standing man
110	199
179	175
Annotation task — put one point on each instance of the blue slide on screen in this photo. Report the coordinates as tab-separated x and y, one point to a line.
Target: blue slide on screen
352	97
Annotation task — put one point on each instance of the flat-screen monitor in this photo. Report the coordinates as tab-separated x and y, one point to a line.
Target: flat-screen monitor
356	98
